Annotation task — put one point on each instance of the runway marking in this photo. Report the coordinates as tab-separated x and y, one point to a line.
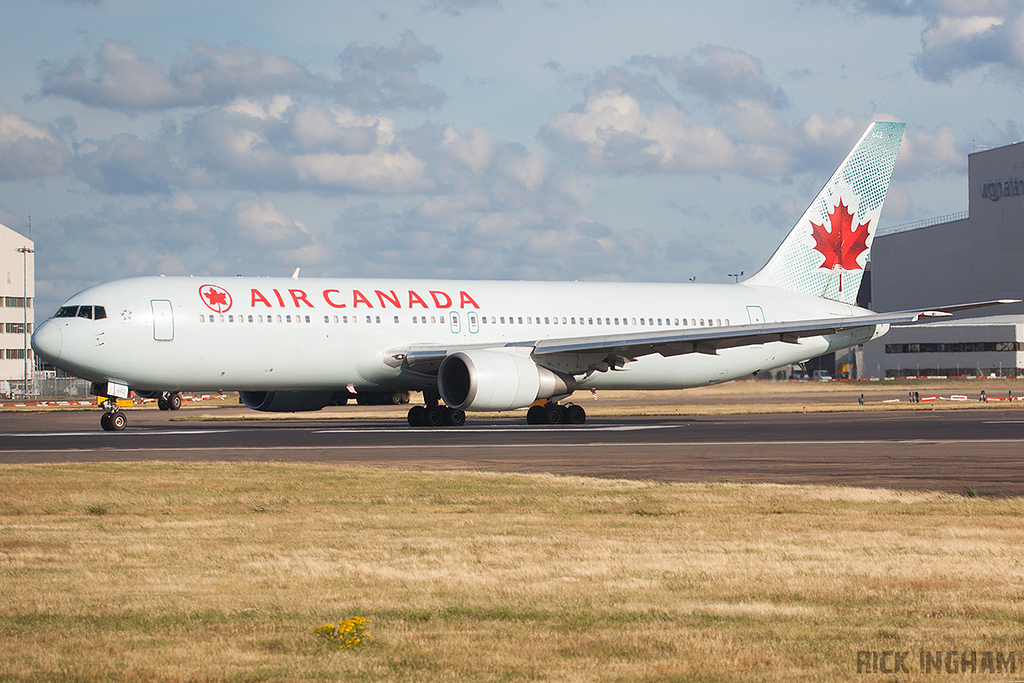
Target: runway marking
561	429
606	444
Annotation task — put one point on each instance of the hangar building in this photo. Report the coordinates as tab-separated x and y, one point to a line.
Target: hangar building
972	256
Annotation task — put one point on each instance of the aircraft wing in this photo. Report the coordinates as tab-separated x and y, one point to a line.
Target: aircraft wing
603	352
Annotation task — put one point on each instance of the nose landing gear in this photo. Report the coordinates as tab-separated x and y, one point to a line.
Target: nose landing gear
113	420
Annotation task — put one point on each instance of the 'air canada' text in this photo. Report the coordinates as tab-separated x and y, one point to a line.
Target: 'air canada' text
336	298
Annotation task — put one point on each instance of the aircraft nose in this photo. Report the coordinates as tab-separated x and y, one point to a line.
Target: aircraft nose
47	341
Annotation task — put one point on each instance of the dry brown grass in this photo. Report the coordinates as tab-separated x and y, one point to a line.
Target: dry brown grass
187	572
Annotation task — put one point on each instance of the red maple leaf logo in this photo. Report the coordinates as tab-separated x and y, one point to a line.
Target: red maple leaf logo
840	244
216	298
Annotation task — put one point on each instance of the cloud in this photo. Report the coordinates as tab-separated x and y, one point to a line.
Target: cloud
455	8
124	79
612	133
381	78
120	77
960	35
28	150
720	75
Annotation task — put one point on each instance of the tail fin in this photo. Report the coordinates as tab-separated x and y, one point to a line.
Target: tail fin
825	253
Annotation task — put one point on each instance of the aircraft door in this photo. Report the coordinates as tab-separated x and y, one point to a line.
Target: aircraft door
474	322
456	322
163	320
755	314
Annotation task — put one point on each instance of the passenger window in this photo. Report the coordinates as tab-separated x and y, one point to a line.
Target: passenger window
718	322
327	319
727	322
287	318
684	322
259	318
590	321
598	321
502	320
573	320
202	318
659	321
85	312
250	318
396	318
307	318
616	321
369	319
702	322
278	318
546	320
642	321
607	321
231	318
520	320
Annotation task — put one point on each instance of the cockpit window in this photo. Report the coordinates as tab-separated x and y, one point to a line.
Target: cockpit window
87	312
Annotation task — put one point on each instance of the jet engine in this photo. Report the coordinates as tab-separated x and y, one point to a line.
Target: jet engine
495	380
286	401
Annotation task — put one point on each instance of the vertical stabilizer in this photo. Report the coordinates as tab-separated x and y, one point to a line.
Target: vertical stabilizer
825	253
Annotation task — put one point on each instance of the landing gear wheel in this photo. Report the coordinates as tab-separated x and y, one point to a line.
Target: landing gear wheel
162	403
174	401
417	416
575	415
533	415
434	417
113	422
454	417
551	414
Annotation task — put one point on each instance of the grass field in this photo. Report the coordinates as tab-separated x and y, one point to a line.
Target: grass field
210	572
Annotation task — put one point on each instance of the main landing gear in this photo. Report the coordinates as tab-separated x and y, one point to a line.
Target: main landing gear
553	414
169	400
434	414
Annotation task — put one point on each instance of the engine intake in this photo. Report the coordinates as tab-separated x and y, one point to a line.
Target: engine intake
496	380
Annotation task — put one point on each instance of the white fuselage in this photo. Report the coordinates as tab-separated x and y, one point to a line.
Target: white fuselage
281	334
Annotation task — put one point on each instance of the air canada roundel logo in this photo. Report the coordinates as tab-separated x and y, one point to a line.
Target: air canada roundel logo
216	298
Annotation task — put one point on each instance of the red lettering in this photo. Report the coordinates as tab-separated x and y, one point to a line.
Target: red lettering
414	298
464	299
297	296
447	299
328	298
393	299
256	296
279	299
358	298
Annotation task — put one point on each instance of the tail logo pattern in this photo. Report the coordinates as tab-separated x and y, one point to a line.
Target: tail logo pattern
840	243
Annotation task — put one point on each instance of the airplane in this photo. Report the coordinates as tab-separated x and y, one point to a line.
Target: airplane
290	345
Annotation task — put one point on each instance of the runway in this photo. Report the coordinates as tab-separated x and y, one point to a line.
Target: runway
919	450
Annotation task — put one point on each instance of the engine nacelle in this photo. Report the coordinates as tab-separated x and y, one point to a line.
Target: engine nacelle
286	401
496	380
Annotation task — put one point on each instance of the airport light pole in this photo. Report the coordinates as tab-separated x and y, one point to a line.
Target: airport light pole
736	276
25	251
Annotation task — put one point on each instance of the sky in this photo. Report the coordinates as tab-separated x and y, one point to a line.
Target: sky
481	139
